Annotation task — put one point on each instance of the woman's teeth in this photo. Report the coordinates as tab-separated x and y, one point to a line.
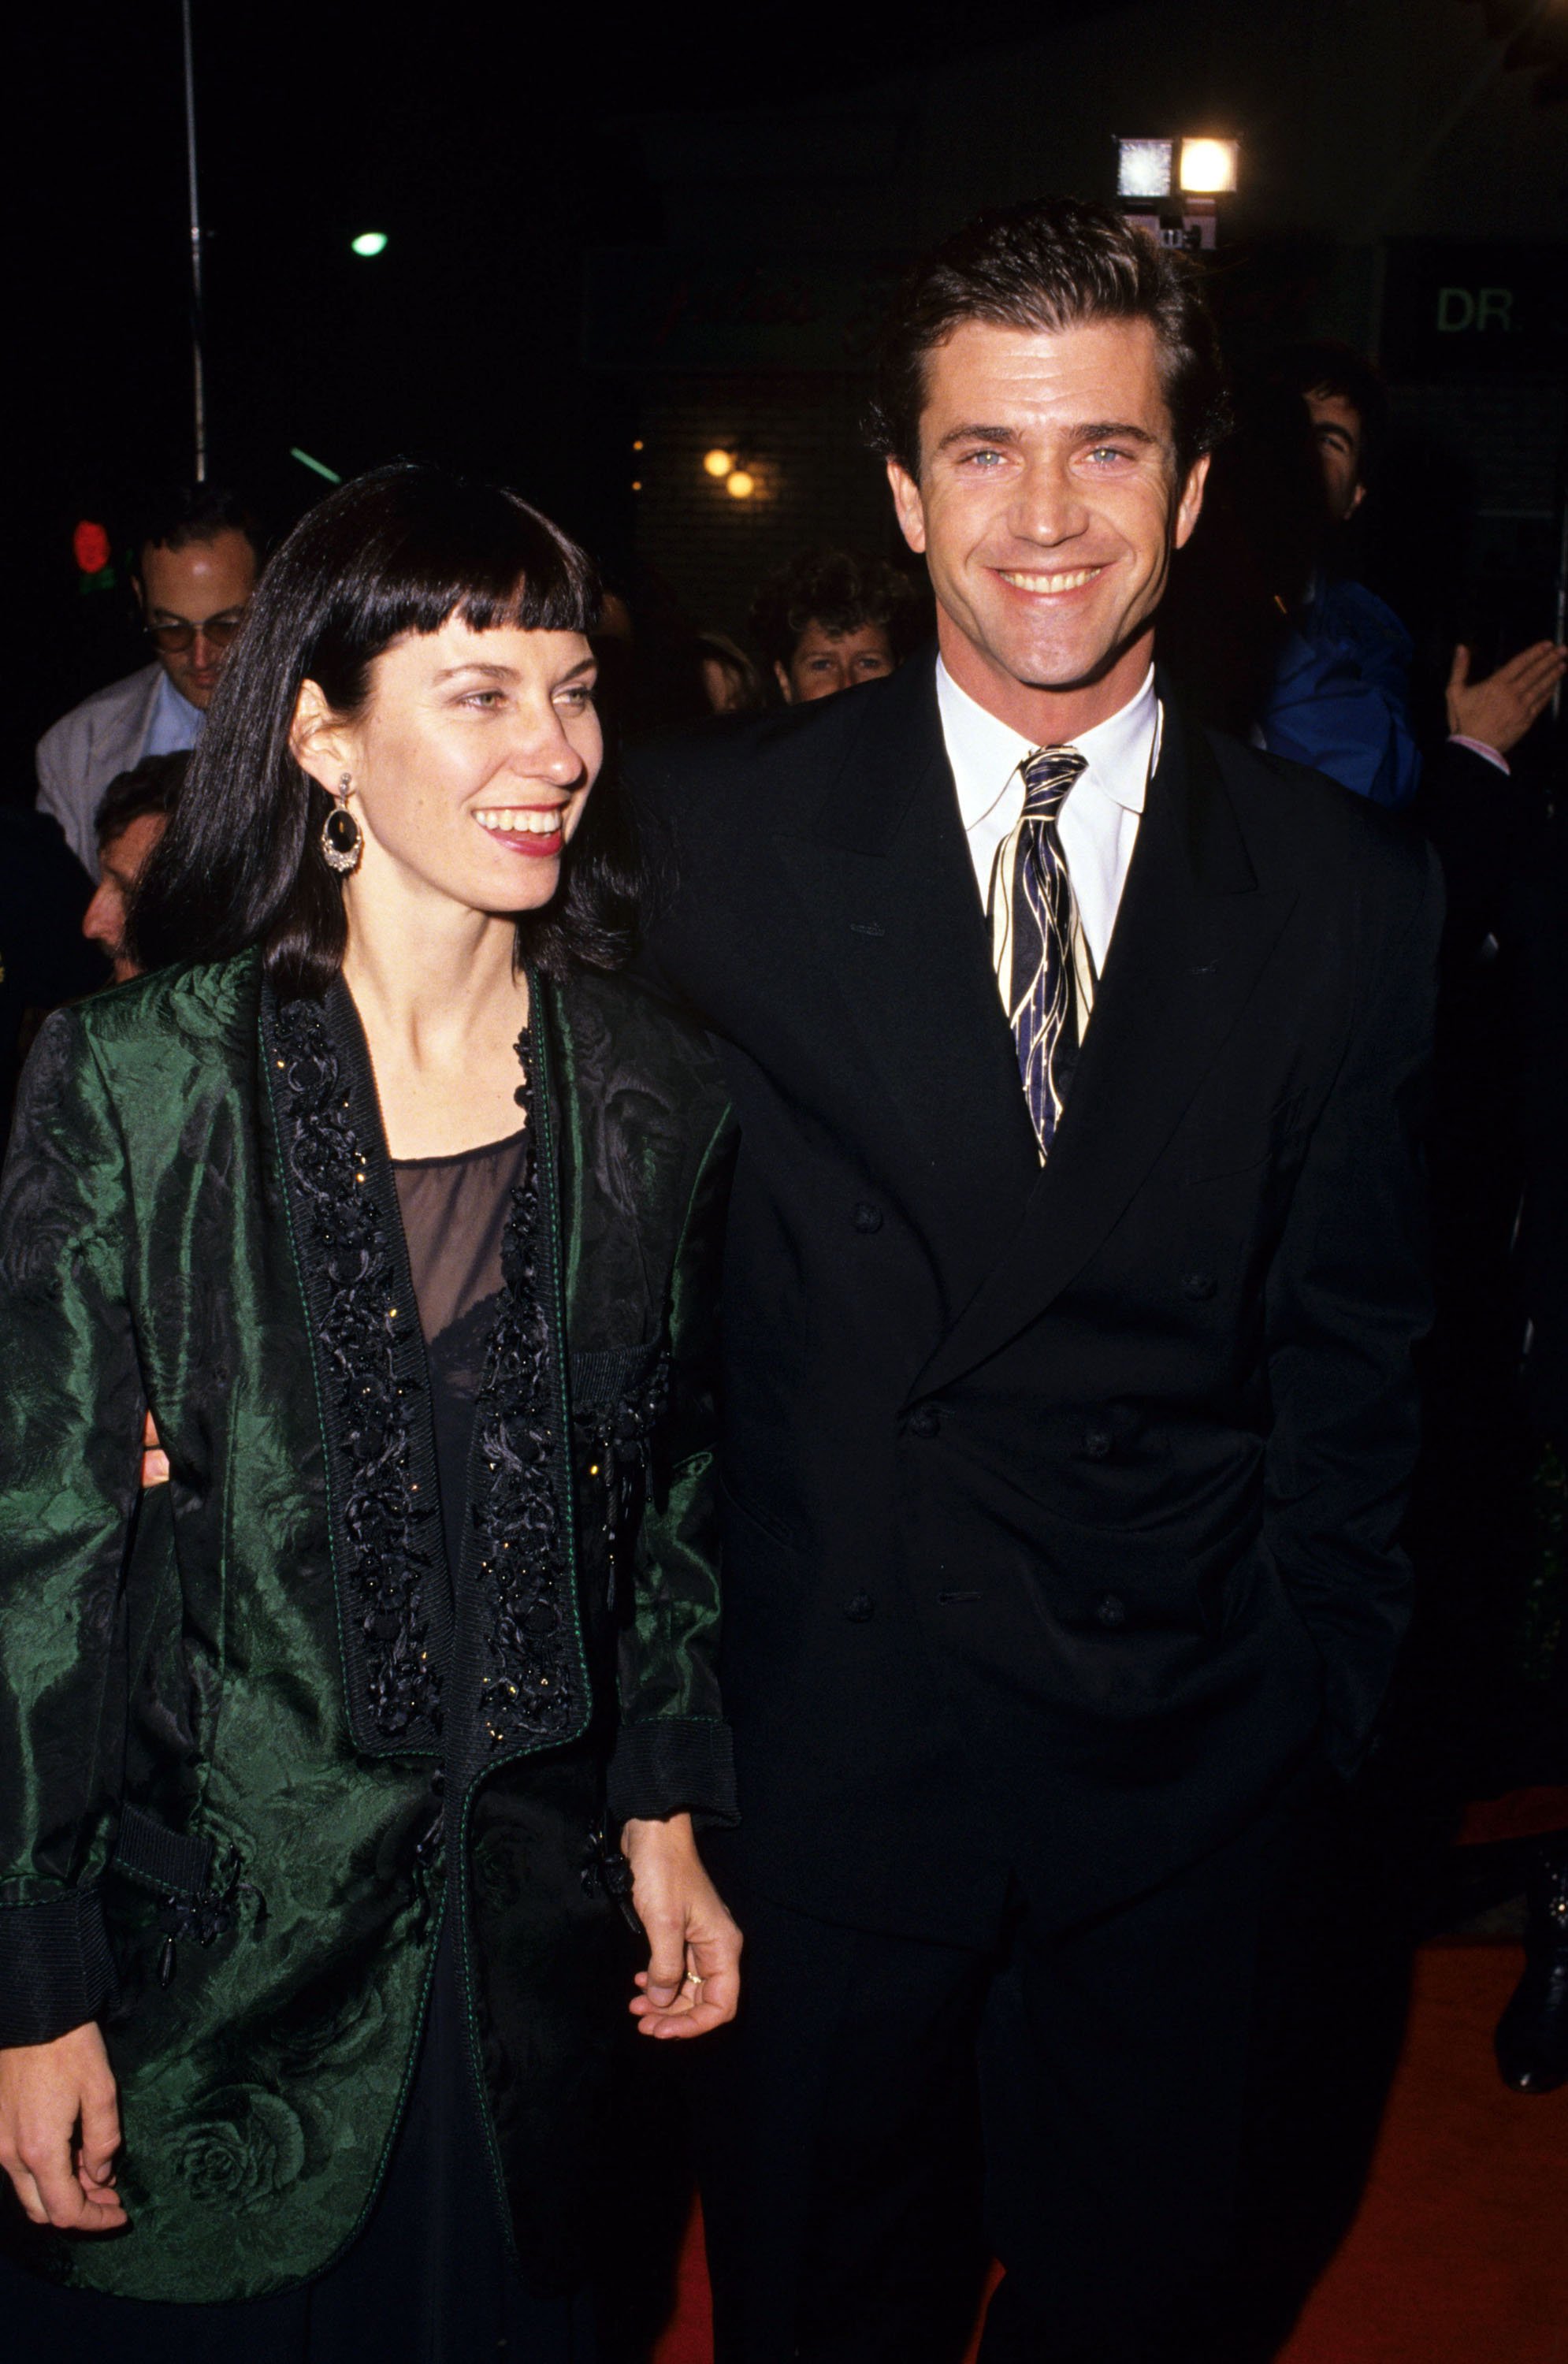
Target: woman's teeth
522	821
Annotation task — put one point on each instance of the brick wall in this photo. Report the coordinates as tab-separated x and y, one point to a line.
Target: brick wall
799	438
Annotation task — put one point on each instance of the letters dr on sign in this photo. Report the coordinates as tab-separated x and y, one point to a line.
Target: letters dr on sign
1457	309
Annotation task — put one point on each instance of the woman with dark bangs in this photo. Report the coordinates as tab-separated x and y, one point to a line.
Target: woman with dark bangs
348	1747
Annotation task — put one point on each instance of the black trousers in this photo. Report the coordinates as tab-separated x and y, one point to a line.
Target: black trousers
887	2113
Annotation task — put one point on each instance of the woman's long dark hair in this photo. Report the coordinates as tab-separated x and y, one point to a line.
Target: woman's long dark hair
401	549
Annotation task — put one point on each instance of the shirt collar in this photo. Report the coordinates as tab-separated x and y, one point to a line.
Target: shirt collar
174	703
986	752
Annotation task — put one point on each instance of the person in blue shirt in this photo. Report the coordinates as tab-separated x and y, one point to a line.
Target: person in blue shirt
1258	635
1340	698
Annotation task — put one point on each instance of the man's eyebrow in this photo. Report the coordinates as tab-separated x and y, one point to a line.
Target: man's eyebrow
967	434
1115	430
1100	431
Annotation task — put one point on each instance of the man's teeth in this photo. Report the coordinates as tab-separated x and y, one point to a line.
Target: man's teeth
1051	582
522	821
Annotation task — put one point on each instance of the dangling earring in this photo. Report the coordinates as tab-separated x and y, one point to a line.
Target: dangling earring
342	839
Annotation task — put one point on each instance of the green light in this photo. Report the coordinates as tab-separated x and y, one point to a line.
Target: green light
369	241
318	467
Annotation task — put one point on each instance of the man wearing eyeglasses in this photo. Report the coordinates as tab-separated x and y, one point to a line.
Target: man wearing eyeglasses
196	568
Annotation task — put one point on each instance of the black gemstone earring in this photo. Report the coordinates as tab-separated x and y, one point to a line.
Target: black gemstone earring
342	839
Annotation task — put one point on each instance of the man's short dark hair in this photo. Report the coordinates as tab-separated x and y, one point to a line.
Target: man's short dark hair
842	591
1052	264
1324	365
149	786
173	517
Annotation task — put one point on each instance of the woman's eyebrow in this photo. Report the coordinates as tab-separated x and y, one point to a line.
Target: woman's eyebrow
490	671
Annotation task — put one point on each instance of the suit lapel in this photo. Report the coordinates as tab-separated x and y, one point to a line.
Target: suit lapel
886	879
1192	935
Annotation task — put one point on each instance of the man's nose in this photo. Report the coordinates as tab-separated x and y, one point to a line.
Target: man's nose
98	920
1047	506
207	654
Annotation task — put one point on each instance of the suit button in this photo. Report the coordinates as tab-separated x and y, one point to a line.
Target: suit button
1097	1442
1112	1609
1196	1287
858	1608
866	1218
925	1420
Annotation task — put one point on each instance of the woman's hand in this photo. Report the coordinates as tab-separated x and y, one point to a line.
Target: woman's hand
154	1460
693	1979
47	2092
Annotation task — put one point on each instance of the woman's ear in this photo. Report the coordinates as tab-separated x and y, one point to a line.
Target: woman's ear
316	738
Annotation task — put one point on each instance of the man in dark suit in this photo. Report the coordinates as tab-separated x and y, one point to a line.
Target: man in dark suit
1074	1265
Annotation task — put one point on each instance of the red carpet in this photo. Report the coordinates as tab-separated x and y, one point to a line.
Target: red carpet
1460	2252
1518	1814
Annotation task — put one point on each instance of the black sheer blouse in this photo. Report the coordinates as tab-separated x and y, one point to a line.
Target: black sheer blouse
454	1214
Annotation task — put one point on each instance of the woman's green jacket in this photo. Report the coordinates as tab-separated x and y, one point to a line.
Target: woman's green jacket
257	1742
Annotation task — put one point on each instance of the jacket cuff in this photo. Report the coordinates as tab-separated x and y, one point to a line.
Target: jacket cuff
56	1969
673	1764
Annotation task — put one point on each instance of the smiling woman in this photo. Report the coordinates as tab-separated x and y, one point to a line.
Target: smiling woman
405	1209
401	575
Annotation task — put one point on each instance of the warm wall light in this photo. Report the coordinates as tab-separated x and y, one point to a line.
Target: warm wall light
369	242
1209	166
718	464
1143	168
740	485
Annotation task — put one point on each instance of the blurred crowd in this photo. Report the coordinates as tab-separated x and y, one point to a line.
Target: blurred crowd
1269	632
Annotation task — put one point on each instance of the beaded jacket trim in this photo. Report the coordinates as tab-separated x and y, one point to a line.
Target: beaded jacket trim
530	1680
370	1373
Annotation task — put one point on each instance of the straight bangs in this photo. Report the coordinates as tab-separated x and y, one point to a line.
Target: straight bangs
465	550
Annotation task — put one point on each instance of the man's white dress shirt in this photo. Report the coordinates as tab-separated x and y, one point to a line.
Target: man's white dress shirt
1098	822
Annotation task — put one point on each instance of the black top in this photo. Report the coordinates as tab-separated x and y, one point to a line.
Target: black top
454	1214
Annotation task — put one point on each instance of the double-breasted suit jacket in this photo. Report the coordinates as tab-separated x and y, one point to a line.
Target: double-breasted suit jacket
1061	1504
256	1741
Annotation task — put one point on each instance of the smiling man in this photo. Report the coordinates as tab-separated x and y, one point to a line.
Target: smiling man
1072	1272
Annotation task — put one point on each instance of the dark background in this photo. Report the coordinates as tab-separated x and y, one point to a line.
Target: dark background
484	141
499	148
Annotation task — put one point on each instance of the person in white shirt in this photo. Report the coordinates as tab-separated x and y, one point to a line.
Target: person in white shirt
196	558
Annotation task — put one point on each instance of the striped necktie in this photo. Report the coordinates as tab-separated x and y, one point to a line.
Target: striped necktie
1032	928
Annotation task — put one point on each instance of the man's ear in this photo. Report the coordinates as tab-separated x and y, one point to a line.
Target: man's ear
780	674
907	505
316	738
1191	502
